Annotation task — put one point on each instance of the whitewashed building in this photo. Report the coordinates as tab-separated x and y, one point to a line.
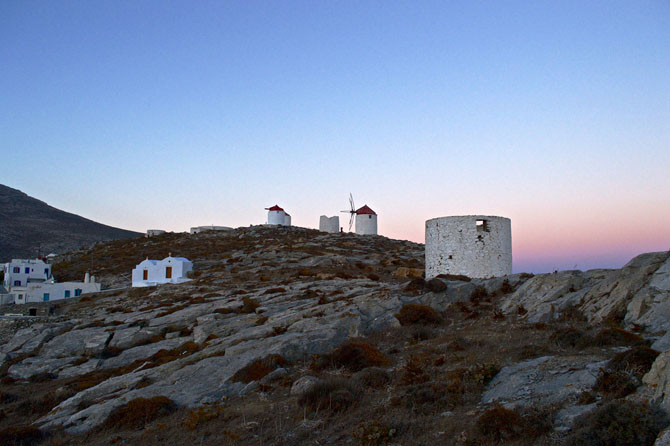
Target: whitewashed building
199	229
21	272
287	219
366	221
154	232
155	272
50	290
329	224
277	216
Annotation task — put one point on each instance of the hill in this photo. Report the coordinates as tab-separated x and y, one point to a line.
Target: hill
29	227
290	336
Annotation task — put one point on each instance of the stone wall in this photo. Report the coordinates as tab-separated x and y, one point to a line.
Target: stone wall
477	246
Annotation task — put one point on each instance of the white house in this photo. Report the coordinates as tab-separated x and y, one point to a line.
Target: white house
169	270
20	272
154	232
50	290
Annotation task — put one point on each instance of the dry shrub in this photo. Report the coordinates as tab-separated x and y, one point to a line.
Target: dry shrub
418	314
621	423
249	305
330	395
373	276
615	384
502	424
306	272
478	294
415	286
164	356
506	288
436	285
618	336
140	411
374	377
374	433
571	337
261	320
171	310
256	370
21	436
201	415
275	290
456	277
413	371
352	355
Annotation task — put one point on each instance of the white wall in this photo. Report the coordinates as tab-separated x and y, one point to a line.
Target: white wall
366	224
57	291
36	271
287	220
456	245
276	217
329	224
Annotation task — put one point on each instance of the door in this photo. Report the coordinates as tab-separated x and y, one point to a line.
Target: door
45	297
145	275
168	272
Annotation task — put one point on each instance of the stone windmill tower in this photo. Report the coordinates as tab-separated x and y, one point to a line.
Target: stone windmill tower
277	216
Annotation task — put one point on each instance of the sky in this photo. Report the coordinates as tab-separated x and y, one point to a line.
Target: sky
170	114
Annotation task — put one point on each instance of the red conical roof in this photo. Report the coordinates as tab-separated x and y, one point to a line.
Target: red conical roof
275	208
365	210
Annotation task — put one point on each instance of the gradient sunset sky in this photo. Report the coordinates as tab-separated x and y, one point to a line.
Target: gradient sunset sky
170	114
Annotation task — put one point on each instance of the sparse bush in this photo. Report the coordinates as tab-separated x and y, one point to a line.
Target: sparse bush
637	360
571	337
139	412
506	288
373	433
21	436
500	424
374	377
373	276
330	395
457	277
353	355
201	415
256	370
436	285
415	286
615	384
618	336
620	423
249	305
418	314
478	294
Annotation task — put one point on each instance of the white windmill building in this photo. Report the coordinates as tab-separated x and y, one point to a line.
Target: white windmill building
278	216
366	218
329	224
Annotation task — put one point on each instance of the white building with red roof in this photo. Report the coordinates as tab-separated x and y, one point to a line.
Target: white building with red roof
278	216
366	221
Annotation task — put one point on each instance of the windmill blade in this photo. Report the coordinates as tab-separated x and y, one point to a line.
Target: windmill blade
351	202
351	222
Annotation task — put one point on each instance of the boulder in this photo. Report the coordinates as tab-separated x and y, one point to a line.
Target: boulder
544	380
87	341
304	384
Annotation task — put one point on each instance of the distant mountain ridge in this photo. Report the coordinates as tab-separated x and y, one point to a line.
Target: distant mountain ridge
29	226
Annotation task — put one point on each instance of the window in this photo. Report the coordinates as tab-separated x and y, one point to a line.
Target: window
67	293
77	292
145	275
20	297
482	226
27	270
45	298
17	270
17	283
168	272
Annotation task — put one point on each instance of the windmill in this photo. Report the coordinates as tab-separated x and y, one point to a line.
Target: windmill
352	211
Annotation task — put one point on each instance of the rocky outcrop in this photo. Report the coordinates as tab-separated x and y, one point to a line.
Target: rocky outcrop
638	293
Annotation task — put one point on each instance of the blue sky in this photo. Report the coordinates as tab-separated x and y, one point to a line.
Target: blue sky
155	114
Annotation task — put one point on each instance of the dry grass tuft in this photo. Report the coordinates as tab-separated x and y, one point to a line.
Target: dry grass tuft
201	415
352	355
139	412
418	314
331	395
259	368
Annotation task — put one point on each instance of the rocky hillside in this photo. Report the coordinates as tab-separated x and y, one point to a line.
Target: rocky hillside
29	226
289	336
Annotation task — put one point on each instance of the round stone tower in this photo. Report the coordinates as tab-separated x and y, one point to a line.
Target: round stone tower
477	246
366	221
